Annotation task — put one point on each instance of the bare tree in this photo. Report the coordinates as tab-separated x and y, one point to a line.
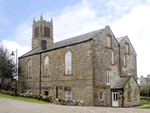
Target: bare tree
7	65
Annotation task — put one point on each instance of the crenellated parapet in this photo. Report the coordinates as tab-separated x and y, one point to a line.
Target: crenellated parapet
41	29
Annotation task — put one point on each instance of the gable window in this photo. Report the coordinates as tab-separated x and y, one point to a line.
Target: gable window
68	94
101	95
46	65
108	76
68	62
124	60
108	41
113	57
127	48
29	68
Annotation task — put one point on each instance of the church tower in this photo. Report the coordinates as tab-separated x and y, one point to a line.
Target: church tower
41	30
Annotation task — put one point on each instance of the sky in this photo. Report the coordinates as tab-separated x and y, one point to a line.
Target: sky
75	17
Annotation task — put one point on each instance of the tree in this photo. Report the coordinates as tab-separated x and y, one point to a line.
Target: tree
7	65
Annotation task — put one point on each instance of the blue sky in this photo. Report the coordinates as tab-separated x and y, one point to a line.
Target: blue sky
74	17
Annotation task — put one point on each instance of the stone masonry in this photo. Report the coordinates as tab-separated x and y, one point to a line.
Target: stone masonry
91	58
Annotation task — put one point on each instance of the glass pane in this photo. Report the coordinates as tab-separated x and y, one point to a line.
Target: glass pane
116	96
68	63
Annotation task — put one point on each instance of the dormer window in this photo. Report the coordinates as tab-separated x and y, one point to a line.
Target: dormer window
127	48
108	41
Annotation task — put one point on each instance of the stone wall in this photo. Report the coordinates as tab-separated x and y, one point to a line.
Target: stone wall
103	62
36	41
80	81
131	66
132	87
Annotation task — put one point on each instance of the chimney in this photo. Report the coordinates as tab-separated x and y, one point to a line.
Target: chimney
43	44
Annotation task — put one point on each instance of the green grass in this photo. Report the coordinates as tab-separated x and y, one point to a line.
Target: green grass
146	107
23	99
145	102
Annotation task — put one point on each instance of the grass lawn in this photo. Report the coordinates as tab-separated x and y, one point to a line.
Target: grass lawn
23	99
145	102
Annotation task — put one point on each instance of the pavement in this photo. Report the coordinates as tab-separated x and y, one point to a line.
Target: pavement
16	106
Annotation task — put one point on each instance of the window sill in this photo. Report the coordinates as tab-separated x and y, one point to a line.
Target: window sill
67	74
108	84
108	47
102	100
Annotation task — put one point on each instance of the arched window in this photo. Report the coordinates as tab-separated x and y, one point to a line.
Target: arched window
68	62
29	68
46	65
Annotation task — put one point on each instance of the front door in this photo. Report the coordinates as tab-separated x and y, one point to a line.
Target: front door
115	98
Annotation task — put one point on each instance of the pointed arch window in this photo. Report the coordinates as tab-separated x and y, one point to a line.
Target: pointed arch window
29	68
68	62
46	65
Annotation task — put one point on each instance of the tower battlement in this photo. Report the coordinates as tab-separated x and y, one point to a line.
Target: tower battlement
40	29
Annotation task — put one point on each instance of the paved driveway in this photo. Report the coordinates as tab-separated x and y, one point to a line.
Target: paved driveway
15	106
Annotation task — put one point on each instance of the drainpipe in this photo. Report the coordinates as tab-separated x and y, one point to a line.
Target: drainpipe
40	76
119	61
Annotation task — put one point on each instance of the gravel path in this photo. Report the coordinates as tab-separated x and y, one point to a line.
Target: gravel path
16	106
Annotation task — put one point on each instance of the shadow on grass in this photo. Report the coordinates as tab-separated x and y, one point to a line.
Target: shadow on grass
24	99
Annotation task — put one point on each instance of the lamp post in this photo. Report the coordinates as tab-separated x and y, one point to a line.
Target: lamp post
12	54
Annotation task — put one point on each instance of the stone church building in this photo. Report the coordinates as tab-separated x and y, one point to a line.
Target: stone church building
95	67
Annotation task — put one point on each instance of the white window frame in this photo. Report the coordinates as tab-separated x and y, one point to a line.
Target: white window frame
46	65
124	60
113	57
68	94
108	77
68	62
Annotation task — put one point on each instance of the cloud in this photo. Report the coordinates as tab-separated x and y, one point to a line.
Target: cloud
12	46
125	17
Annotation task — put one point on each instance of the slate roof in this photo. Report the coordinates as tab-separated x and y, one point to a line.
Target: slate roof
64	43
120	38
121	82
